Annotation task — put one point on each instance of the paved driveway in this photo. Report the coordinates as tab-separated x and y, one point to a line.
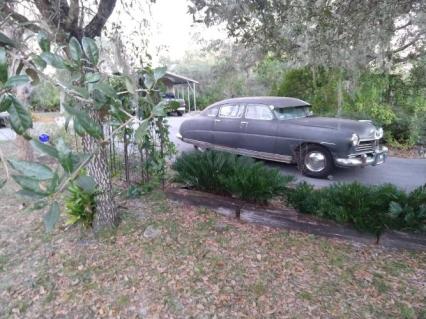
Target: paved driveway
405	173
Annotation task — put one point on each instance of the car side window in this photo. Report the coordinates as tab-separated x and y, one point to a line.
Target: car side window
212	112
258	112
231	110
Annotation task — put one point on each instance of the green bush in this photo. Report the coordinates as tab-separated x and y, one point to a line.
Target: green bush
45	98
412	212
368	208
227	174
80	203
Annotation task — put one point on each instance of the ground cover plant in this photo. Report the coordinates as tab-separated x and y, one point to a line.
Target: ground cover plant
368	208
229	174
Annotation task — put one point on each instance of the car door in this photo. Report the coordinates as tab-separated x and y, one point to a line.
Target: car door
227	125
259	128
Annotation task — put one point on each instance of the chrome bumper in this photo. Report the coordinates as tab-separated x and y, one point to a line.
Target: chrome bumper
376	158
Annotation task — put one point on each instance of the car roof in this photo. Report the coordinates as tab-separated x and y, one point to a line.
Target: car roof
276	101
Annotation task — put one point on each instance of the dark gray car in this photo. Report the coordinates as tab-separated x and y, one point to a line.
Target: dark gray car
283	129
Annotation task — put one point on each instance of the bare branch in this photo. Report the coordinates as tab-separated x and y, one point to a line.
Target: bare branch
20	18
95	26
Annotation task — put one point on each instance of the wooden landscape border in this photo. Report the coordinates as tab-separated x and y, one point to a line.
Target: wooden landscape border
289	218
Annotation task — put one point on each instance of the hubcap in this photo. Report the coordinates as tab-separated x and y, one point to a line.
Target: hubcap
315	161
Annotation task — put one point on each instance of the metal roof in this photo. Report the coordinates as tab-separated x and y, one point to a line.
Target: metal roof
178	79
276	101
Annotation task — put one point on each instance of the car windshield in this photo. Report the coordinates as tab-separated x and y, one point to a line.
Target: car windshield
287	113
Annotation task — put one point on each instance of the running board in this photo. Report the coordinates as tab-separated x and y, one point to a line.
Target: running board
241	151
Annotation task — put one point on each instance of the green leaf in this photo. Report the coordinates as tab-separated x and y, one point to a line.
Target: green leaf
20	118
159	72
87	183
75	49
54	183
5	40
129	85
72	219
78	128
65	156
106	89
90	50
45	148
33	75
141	132
32	169
83	121
53	59
91	127
92	77
29	184
16	80
30	194
83	92
5	101
3	65
160	109
38	61
51	217
43	41
149	81
71	66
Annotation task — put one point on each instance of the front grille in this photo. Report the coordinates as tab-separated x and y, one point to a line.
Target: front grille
366	146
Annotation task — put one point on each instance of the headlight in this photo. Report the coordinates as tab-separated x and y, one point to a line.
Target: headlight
379	133
355	139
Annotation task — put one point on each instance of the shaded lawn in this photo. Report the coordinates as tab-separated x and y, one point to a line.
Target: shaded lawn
201	266
197	269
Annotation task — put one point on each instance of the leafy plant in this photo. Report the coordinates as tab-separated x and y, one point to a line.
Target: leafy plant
368	208
228	174
411	213
80	203
204	170
254	181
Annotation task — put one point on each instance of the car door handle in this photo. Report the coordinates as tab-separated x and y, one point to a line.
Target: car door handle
242	123
217	120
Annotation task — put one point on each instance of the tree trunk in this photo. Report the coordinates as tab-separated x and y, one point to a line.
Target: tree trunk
25	151
106	214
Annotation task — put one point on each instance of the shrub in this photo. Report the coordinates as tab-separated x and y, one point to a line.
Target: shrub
204	170
80	203
410	213
252	180
228	174
45	97
368	208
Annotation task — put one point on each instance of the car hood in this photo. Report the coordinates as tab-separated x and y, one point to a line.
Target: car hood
365	129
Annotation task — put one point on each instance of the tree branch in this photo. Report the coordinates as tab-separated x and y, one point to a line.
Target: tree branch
409	44
20	18
95	26
72	19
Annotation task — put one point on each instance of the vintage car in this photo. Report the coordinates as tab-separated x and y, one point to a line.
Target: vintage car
284	129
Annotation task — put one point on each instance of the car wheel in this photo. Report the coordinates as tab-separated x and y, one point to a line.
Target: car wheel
315	161
179	113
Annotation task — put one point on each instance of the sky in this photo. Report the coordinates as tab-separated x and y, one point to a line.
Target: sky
174	30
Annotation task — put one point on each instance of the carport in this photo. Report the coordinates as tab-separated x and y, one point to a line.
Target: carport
183	88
